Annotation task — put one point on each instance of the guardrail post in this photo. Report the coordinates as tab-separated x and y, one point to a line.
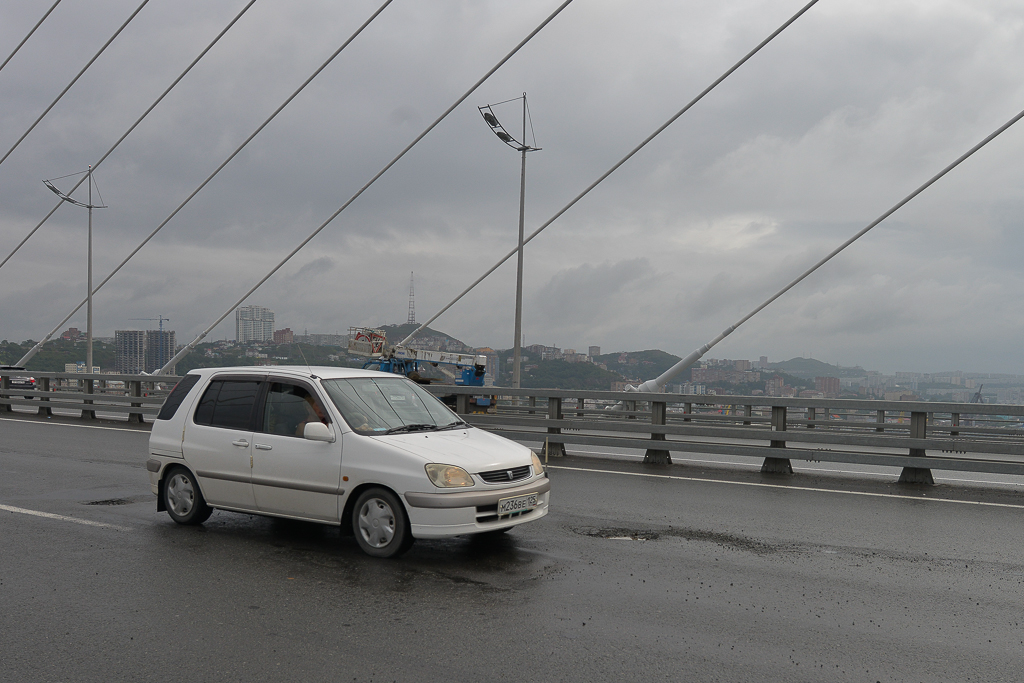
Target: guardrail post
687	410
918	430
954	421
748	411
43	400
89	414
812	414
5	392
581	404
461	404
778	465
533	404
658	456
880	421
135	390
555	413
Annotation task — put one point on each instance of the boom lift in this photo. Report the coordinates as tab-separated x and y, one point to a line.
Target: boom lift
465	369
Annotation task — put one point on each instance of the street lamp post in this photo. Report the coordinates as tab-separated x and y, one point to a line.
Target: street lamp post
90	206
523	148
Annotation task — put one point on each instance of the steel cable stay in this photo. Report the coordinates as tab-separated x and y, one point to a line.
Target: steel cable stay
191	345
654	385
75	79
25	39
35	349
131	128
615	167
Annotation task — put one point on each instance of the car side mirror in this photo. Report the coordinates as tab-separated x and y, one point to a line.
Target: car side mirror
317	431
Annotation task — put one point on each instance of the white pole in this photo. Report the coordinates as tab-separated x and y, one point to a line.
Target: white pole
88	348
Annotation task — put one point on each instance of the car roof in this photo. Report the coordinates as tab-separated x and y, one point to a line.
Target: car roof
296	371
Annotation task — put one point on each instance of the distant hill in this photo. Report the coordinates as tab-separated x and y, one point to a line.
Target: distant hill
53	356
809	368
396	333
642	365
558	374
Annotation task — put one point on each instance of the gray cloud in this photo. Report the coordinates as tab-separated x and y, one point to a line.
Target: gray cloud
846	112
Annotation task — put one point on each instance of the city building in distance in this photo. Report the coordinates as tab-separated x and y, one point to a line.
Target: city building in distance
130	352
160	349
254	323
136	351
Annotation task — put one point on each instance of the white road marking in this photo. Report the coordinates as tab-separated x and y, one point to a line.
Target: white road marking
787	487
62	518
64	424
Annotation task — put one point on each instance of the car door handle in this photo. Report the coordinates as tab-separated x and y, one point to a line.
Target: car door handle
263	447
240	442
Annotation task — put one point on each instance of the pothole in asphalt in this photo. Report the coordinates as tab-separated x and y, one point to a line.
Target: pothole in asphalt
620	534
722	539
116	501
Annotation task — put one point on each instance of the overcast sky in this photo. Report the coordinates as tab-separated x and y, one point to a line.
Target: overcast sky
851	108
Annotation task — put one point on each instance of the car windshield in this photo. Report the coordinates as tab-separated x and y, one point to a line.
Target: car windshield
379	406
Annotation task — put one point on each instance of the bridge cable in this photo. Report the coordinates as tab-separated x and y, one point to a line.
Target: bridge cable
659	382
624	159
74	80
130	129
25	39
35	349
191	345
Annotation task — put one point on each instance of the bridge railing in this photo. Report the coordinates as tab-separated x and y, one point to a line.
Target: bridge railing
136	396
916	436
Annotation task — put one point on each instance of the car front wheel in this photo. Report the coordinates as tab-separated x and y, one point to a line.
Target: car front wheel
183	499
380	525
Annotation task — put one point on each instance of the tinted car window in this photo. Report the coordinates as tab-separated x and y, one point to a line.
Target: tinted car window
177	395
289	408
204	411
228	404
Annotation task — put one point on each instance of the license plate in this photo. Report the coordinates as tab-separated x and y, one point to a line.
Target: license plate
508	506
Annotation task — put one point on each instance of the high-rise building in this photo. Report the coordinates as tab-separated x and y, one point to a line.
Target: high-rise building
285	336
136	351
130	351
594	351
159	349
254	323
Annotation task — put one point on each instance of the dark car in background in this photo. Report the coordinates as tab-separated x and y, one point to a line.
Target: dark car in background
20	381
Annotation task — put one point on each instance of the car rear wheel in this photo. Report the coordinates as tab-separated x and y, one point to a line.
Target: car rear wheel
380	524
183	499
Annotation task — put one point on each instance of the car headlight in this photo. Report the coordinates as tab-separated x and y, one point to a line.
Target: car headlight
538	466
448	476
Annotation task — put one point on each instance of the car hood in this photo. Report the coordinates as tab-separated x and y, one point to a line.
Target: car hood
471	449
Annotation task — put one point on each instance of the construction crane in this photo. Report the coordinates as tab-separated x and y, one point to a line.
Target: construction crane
977	396
160	318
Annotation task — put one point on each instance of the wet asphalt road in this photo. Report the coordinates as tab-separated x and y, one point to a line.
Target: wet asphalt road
671	573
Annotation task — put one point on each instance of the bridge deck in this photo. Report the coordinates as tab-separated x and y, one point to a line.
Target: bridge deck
669	573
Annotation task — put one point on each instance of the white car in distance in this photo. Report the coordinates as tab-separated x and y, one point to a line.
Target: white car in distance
372	452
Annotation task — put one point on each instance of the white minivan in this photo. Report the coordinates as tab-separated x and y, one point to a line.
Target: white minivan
370	451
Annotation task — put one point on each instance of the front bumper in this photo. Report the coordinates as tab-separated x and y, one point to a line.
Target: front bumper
465	499
442	515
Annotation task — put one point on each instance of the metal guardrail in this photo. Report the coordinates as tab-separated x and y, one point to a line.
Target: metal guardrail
133	395
917	436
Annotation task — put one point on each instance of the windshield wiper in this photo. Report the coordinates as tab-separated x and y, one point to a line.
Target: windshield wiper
411	428
459	424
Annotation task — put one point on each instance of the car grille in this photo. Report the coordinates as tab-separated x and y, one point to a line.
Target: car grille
505	476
